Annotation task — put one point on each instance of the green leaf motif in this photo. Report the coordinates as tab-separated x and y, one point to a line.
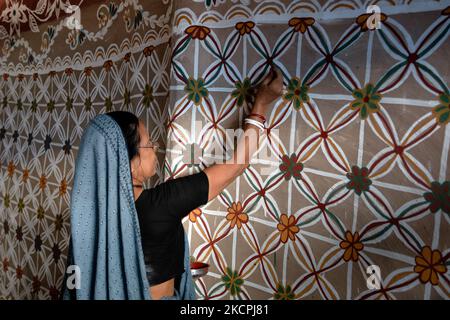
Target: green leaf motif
366	101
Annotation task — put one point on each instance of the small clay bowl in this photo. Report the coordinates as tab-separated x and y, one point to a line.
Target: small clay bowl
199	269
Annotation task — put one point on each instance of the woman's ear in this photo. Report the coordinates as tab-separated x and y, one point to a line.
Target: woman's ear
133	164
139	157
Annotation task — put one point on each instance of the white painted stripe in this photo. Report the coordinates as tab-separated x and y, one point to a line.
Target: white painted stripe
286	253
437	228
369	57
244	57
349	280
299	56
397	187
325	174
392	255
319	237
212	89
411	102
427	291
196	60
444	158
291	149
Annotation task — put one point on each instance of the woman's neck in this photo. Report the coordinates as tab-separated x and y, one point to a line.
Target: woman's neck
137	187
137	191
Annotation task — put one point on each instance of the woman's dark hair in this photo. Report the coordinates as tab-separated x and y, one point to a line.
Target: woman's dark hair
129	124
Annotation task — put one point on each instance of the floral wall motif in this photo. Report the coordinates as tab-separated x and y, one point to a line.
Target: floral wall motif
360	138
119	59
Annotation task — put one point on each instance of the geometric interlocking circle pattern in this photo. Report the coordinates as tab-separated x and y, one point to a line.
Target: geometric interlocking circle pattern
359	141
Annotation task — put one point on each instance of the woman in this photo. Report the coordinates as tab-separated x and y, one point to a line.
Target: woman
132	245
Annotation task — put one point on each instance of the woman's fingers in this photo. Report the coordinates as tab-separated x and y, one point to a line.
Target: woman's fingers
272	75
277	81
271	86
276	74
268	77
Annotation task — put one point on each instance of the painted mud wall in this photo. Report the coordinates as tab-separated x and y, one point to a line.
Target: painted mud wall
359	141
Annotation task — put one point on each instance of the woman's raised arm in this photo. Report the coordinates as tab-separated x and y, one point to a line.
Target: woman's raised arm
222	174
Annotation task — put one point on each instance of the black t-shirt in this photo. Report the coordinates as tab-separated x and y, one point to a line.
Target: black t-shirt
160	211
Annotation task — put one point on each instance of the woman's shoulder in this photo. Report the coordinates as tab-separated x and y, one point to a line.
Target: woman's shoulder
176	191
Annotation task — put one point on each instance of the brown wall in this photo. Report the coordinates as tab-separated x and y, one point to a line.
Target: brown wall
356	176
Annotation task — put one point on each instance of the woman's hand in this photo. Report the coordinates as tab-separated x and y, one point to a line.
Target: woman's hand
270	89
222	174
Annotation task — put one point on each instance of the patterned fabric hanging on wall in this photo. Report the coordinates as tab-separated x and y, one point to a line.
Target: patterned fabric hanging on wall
359	141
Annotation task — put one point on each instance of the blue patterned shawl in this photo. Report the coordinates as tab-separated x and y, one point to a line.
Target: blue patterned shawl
105	236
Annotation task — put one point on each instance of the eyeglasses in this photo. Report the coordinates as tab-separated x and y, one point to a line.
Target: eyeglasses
151	144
